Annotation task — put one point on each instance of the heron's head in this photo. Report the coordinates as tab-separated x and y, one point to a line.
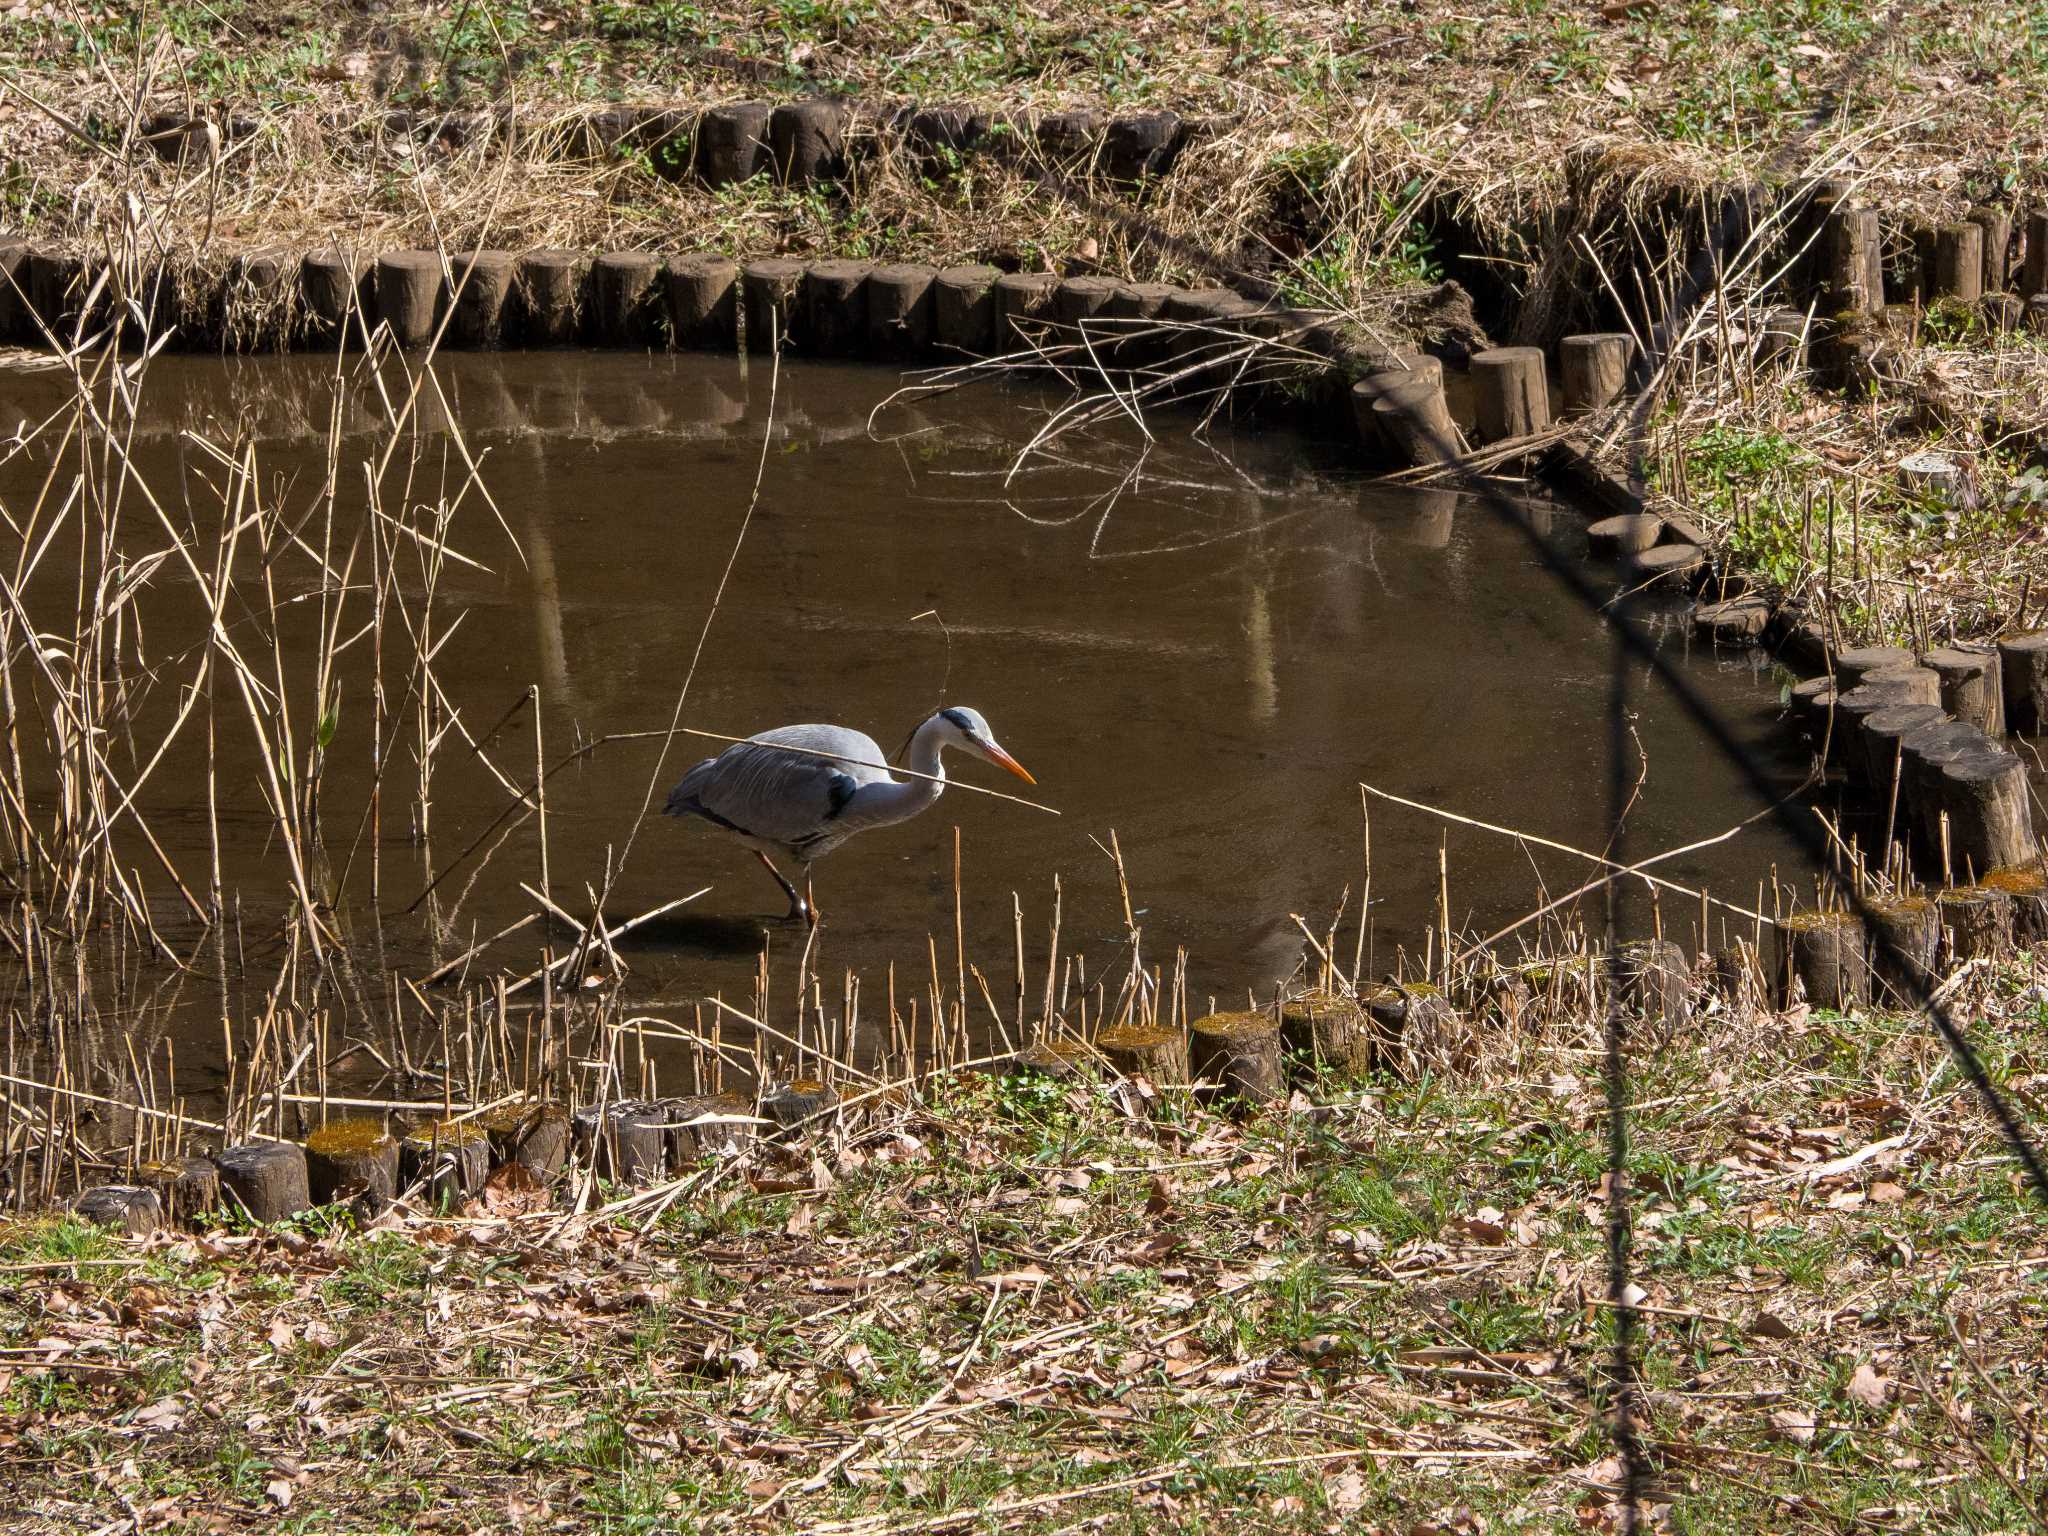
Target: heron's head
966	729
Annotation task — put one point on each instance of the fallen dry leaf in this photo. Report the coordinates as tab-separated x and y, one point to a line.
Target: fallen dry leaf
1870	1388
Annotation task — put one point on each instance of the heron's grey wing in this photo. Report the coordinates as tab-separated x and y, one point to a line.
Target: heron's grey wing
760	790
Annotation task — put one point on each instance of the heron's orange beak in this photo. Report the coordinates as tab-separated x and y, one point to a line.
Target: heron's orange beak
1003	759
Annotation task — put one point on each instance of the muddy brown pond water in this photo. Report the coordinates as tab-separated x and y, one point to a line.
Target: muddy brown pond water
1200	643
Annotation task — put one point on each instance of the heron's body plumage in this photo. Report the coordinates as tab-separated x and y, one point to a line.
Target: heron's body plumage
802	790
796	803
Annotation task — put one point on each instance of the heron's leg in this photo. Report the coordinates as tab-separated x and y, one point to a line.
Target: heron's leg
810	901
796	902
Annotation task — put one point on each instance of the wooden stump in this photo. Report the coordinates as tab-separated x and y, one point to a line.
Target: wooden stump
56	290
1077	301
1154	1052
900	309
1781	340
1676	566
1068	139
2005	314
1828	954
2036	316
1881	739
1813	706
703	302
732	143
1996	224
802	1103
937	138
1904	941
1654	981
627	1142
1855	663
1976	924
1971	686
1733	621
770	290
1991	826
130	1208
408	294
806	141
626	299
448	1160
2034	262
1927	752
1140	146
1738	975
535	1136
1415	419
1593	369
1023	308
549	288
1328	1030
346	1159
835	298
964	309
185	1186
1615	538
720	1124
2027	885
480	299
1367	392
1130	315
1053	1058
1510	393
1856	706
266	1178
1959	262
14	291
2023	676
1239	1053
1853	245
332	290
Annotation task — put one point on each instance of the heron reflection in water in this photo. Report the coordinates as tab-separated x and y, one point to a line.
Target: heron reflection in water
802	790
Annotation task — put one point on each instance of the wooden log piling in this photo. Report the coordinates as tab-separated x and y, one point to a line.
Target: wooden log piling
1593	370
1511	393
1239	1054
266	1178
548	287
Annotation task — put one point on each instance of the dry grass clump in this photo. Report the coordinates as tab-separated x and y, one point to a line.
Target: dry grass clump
1801	484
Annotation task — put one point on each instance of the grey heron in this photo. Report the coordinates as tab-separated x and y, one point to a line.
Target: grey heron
802	790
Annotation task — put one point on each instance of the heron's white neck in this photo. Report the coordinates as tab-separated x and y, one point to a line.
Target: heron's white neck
885	804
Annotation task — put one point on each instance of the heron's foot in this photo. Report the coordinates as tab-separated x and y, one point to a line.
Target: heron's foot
800	912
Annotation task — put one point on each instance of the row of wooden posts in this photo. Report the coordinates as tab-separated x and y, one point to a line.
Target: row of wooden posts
1250	1056
797	143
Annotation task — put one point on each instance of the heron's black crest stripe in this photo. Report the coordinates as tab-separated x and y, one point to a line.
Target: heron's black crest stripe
960	719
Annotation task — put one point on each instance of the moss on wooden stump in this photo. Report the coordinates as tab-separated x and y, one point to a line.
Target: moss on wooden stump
2027	885
1239	1053
348	1159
